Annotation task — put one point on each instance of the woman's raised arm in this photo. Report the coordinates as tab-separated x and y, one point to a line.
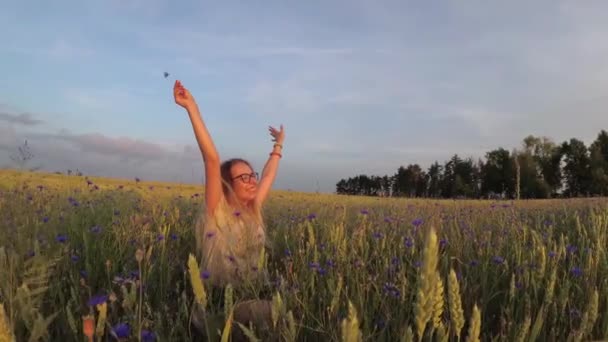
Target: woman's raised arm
211	159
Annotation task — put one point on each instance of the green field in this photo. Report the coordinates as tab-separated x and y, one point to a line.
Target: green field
522	270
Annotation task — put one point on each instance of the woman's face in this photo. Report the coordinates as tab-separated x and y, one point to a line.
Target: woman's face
244	182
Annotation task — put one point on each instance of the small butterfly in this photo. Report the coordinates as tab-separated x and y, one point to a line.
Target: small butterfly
166	74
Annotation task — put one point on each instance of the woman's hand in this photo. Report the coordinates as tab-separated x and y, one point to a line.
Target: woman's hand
278	136
182	96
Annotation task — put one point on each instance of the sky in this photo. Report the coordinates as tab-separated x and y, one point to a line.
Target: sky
361	87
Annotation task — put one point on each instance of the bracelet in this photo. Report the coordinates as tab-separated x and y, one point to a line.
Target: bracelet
277	144
276	153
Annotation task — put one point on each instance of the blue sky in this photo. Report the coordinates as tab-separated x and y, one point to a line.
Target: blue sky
360	86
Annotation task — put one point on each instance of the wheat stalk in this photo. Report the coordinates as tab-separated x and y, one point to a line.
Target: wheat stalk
350	326
456	312
6	334
423	309
475	326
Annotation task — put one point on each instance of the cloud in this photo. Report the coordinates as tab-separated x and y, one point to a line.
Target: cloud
98	154
8	138
25	119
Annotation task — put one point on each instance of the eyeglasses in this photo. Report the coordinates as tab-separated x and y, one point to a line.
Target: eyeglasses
246	177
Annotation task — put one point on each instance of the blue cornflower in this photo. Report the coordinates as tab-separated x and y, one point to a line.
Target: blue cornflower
576	271
498	260
148	336
97	300
61	238
122	330
408	242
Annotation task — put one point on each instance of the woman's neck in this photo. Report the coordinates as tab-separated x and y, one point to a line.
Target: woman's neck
235	203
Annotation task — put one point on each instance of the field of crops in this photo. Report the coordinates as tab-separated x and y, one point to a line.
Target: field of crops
110	258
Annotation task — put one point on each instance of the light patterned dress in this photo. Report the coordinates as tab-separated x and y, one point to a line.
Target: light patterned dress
231	242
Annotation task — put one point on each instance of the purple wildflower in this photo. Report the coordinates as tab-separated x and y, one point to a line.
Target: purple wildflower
148	336
576	271
391	290
552	254
75	258
173	236
209	235
443	243
95	229
571	249
311	217
364	211
160	237
313	265
474	263
205	274
45	219
498	260
417	222
377	235
97	300
61	238
121	330
408	242
287	252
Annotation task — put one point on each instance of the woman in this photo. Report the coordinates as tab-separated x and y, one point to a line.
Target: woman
230	232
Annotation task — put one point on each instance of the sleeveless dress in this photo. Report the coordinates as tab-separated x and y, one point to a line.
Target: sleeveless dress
231	243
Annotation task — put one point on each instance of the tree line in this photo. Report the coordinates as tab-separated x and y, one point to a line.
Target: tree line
539	169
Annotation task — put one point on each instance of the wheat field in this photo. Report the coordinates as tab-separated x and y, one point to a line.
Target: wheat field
94	259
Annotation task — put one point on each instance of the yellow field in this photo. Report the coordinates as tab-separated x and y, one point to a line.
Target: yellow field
344	268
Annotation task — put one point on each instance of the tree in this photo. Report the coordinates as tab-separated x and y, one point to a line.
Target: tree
598	164
547	157
498	174
576	170
23	156
434	180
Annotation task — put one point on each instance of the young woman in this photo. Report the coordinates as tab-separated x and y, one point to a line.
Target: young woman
230	232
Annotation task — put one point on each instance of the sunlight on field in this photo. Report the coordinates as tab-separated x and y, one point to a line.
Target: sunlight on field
77	251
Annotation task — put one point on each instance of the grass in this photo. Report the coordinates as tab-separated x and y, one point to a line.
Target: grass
339	268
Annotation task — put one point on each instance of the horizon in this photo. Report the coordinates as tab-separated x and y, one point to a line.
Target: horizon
361	88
